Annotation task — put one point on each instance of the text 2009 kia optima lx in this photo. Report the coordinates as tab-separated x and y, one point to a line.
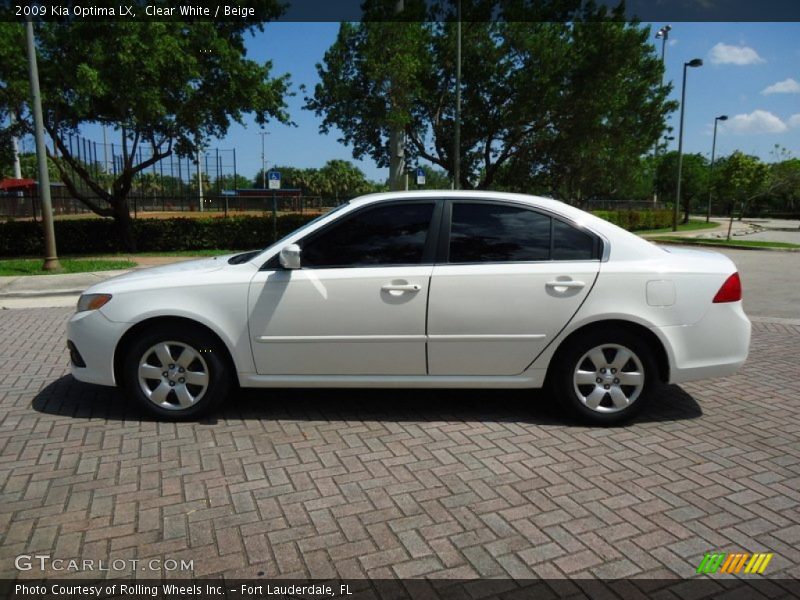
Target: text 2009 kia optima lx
426	289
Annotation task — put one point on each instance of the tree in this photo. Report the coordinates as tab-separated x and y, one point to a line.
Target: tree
232	182
694	179
169	85
743	178
337	179
562	102
342	180
787	195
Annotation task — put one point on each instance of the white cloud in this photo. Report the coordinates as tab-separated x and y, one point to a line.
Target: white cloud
794	120
787	86
758	121
726	54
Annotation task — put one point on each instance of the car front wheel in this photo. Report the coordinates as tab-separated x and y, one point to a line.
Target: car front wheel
606	377
176	373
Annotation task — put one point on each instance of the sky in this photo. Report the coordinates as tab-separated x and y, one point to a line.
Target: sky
751	73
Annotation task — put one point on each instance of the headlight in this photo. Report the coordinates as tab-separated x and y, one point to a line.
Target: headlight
92	301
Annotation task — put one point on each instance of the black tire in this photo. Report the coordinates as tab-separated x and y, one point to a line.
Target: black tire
578	398
167	394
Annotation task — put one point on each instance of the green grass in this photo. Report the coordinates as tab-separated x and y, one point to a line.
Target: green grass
692	225
33	266
733	243
211	252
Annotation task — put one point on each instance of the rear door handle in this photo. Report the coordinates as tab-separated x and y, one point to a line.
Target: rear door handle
565	284
401	287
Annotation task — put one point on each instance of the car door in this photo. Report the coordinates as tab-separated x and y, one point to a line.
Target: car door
357	305
509	279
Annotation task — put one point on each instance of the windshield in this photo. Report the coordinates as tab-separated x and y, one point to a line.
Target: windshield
306	226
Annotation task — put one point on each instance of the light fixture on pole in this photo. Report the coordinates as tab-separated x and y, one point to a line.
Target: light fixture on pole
711	174
663	35
695	62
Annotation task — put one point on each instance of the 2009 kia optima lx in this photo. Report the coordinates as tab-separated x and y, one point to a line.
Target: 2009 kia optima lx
425	289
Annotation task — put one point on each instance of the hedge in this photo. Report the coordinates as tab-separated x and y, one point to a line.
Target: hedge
637	220
98	236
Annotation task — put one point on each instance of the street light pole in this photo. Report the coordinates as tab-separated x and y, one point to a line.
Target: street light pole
695	62
263	162
199	178
50	255
396	136
457	123
663	35
711	174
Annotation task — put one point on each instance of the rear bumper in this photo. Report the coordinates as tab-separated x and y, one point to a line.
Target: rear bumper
715	346
94	339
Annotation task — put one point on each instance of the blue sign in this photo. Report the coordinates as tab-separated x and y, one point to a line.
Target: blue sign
274	178
420	176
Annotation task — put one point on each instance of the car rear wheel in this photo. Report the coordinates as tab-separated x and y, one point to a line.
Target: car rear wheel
176	373
605	377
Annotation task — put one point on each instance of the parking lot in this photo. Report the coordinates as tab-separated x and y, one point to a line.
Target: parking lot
383	484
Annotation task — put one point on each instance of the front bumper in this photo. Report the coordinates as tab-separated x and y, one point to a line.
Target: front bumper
95	339
715	346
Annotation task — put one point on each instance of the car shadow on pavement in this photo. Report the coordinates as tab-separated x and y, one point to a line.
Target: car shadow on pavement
70	398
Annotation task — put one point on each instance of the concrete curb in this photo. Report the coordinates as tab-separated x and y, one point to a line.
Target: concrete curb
689	242
39	286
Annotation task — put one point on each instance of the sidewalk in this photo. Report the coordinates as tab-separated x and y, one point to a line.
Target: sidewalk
31	291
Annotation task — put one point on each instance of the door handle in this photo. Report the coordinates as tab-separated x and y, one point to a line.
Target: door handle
565	284
401	287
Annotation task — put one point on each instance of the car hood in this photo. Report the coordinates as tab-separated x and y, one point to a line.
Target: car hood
157	276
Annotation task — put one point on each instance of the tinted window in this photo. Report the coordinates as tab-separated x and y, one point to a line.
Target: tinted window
388	235
496	233
571	244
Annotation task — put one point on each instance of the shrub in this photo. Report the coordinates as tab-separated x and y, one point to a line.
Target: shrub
97	236
637	220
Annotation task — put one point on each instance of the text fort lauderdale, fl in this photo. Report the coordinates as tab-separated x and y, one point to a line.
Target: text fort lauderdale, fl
207	589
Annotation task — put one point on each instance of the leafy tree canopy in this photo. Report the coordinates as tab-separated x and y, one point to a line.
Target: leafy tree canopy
170	85
566	105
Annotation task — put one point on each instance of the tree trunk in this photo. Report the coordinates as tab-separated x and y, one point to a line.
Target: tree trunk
124	225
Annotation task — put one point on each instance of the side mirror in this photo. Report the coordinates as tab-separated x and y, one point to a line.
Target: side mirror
290	256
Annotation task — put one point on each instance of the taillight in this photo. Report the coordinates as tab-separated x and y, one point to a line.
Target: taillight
731	290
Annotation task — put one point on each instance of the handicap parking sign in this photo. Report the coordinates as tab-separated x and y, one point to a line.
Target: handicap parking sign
274	178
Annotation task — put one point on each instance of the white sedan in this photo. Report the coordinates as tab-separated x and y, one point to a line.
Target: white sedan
421	289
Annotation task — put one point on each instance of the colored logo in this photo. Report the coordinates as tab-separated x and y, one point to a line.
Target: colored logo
741	562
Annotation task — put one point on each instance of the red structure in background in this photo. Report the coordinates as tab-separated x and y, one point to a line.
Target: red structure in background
26	186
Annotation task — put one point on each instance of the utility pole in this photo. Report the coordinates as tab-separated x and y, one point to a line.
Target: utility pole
695	62
711	174
263	162
51	257
457	119
663	35
396	141
15	148
199	178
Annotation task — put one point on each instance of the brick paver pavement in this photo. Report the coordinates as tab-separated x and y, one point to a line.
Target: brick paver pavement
376	483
